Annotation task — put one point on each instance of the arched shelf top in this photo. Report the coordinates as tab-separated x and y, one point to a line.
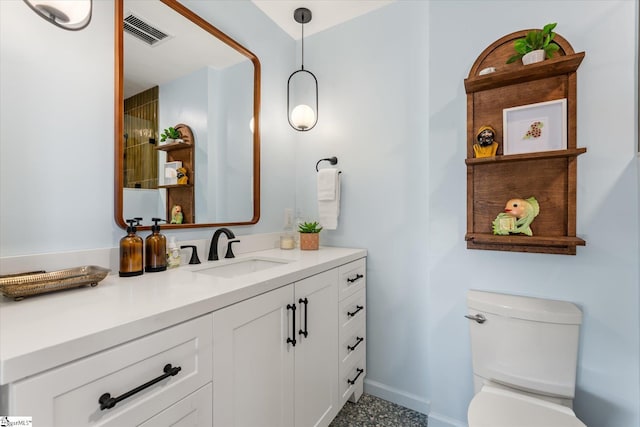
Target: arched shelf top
496	54
564	61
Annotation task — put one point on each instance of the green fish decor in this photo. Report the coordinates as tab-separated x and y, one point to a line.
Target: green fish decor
517	217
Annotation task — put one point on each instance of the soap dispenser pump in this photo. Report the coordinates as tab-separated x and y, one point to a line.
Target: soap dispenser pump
131	247
155	249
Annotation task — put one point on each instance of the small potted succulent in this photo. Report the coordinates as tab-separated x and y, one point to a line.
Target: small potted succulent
170	135
535	46
309	235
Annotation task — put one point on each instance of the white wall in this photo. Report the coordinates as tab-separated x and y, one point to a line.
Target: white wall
393	109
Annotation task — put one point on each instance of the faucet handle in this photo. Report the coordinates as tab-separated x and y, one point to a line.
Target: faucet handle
229	253
194	254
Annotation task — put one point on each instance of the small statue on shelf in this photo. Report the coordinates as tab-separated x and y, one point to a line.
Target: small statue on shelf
181	173
176	214
486	146
517	217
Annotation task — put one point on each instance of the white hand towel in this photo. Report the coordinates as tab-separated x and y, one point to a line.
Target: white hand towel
329	198
327	184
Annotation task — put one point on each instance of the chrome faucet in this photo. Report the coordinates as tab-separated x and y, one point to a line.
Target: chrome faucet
213	249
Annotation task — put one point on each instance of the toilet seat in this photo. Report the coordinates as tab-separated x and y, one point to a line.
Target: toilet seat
495	407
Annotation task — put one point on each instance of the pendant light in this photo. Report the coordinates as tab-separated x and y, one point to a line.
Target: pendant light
70	15
302	117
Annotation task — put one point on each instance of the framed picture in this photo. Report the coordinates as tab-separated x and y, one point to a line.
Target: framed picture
535	127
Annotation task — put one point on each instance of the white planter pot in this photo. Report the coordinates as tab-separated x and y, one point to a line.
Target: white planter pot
533	57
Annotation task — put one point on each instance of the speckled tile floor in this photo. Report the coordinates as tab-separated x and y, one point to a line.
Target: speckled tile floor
371	411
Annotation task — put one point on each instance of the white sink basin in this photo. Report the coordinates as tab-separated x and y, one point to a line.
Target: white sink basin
241	267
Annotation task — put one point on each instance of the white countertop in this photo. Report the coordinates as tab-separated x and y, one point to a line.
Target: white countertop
45	331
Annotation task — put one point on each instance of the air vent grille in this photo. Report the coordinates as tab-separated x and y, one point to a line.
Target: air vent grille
143	31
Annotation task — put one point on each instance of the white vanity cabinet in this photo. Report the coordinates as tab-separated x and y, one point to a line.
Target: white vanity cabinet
263	378
70	395
107	356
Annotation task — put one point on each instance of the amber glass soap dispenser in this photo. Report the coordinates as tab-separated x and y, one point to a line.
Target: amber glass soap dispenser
155	249
131	251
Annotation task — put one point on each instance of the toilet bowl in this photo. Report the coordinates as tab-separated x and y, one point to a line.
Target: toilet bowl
524	352
497	407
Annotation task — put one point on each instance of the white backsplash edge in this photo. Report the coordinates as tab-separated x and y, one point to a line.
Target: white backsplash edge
110	257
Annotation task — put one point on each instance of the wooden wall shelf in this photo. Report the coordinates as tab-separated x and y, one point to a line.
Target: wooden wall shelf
550	176
551	67
529	156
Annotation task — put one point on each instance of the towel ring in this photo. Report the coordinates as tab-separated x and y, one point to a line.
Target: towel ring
332	160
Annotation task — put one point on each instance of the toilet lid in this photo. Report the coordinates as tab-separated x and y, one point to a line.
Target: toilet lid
494	407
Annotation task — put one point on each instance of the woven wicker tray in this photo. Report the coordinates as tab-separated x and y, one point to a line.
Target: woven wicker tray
18	286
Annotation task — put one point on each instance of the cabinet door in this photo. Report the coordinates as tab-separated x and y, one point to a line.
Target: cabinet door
316	355
252	362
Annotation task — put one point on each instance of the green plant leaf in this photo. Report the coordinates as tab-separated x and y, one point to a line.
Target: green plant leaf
551	49
520	46
514	58
549	27
309	227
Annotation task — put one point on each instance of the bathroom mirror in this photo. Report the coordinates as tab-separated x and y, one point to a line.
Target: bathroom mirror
174	68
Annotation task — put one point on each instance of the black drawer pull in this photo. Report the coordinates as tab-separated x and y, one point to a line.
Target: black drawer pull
353	313
108	402
353	381
290	340
358	276
358	341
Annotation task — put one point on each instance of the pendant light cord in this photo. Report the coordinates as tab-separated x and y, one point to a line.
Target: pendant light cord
302	61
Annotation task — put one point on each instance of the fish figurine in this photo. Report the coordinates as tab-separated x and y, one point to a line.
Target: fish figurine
517	217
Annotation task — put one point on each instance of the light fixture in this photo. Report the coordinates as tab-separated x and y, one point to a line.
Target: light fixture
302	117
68	14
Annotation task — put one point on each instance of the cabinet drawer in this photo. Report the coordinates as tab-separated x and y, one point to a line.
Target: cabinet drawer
193	410
69	395
352	348
352	278
351	379
352	311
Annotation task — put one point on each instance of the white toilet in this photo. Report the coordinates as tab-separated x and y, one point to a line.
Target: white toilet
524	353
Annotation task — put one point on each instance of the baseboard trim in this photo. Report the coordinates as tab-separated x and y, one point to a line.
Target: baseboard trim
396	396
439	420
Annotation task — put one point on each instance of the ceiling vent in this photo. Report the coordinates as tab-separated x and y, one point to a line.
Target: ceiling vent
140	29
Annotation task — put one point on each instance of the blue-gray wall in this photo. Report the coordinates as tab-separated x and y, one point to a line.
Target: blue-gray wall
393	109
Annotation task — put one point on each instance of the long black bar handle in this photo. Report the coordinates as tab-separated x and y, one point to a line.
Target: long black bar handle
353	347
353	313
355	279
353	381
108	402
304	301
290	340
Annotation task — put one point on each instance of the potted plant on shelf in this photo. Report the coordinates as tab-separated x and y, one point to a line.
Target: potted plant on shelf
535	46
309	235
170	135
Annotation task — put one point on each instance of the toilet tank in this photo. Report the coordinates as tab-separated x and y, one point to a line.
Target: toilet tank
526	343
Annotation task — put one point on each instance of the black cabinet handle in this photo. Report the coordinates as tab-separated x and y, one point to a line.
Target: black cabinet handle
358	341
353	313
358	276
304	301
108	402
290	340
353	381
